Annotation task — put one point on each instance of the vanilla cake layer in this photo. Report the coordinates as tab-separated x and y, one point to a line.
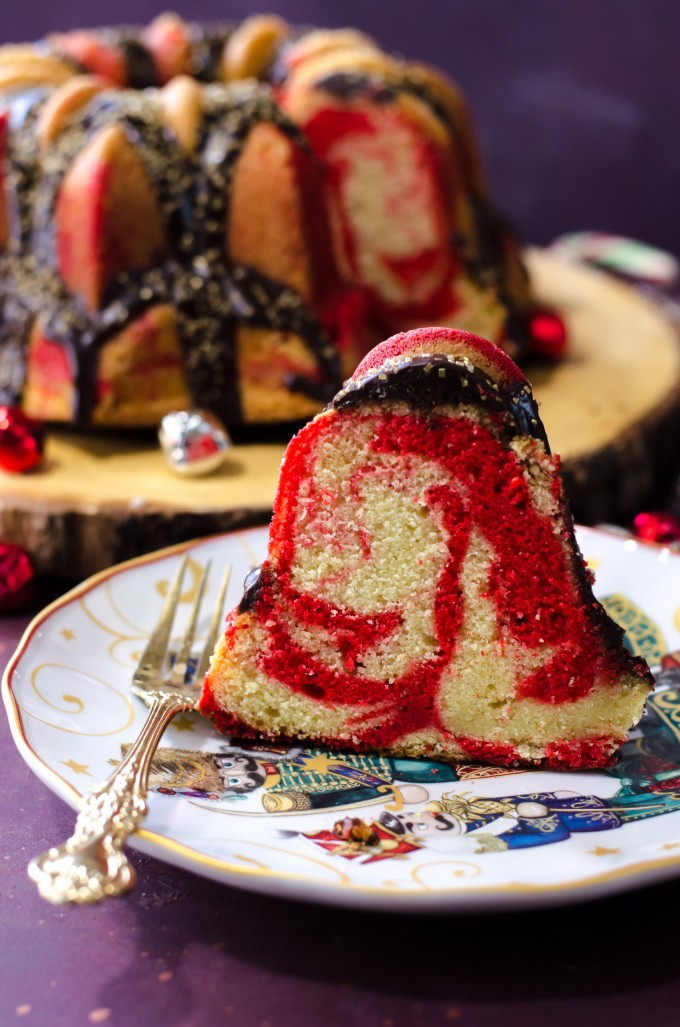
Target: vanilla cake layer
423	592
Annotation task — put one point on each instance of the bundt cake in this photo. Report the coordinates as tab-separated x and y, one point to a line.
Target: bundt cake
423	592
229	217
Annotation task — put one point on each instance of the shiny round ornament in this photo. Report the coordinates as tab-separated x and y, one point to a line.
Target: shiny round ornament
17	577
22	441
194	441
548	334
657	526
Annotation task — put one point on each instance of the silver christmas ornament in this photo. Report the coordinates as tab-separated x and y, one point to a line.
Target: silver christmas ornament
194	441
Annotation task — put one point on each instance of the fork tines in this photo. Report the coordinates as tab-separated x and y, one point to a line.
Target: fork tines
150	668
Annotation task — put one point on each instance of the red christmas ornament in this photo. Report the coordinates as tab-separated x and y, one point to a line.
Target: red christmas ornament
548	335
657	526
22	441
16	577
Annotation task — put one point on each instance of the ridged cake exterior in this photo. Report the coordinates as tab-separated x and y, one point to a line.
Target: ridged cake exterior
230	217
423	593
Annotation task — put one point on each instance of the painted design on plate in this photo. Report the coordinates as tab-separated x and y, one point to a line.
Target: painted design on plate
643	635
299	821
420	813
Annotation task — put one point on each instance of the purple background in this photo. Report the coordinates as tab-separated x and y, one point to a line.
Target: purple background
577	101
578	110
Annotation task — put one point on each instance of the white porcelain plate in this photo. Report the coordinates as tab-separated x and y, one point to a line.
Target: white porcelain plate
357	830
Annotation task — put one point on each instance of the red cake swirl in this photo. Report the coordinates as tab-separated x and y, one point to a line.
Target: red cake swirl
229	217
423	591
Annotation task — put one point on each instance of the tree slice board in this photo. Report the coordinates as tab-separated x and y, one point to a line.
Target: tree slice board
611	409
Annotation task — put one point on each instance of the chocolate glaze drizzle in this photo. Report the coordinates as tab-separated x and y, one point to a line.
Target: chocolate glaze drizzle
428	381
484	253
207	48
425	382
211	294
252	586
139	64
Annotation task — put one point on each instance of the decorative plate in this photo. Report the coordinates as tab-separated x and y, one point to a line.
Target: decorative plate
364	831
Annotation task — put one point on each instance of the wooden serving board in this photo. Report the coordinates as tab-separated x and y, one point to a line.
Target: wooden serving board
611	409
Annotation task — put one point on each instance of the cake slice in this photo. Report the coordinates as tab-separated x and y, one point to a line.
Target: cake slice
423	592
412	222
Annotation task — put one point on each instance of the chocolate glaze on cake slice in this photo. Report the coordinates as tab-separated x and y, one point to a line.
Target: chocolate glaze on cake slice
423	592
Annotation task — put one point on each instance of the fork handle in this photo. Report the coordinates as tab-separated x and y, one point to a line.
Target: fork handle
91	864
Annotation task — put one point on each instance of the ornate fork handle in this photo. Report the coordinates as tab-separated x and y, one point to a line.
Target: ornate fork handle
92	864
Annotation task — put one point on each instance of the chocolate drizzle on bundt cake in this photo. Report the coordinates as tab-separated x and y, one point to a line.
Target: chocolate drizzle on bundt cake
482	245
238	247
423	592
190	268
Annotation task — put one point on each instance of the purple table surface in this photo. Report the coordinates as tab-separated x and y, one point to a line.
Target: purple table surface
180	951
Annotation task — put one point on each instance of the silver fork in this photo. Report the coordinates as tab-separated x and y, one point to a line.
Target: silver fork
91	864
